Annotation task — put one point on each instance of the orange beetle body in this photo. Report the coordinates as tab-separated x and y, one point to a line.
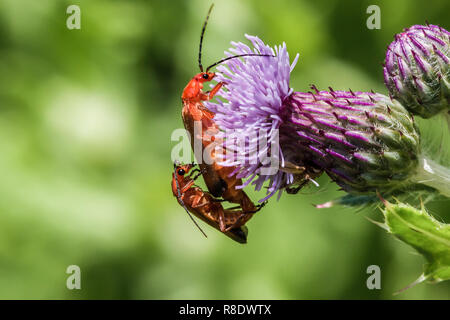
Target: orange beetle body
205	207
217	177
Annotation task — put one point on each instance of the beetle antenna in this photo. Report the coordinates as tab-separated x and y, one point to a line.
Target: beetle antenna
238	56
182	203
201	38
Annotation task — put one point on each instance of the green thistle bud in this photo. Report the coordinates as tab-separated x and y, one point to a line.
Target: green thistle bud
416	70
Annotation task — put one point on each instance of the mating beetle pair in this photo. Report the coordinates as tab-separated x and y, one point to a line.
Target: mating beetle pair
220	184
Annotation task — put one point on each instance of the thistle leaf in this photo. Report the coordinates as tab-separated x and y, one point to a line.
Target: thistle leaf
428	236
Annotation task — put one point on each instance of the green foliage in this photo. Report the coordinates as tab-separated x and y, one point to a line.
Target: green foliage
428	236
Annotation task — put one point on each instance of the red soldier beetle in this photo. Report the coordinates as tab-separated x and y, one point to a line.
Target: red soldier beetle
204	206
217	178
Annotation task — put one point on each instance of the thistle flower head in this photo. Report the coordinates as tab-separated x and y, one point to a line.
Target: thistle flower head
417	69
256	88
365	142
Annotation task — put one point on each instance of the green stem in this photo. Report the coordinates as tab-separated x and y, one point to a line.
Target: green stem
447	117
432	174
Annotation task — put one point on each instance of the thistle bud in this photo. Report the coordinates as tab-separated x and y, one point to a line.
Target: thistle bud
416	70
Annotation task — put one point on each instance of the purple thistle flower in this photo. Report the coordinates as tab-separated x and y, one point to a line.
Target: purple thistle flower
255	91
417	69
363	141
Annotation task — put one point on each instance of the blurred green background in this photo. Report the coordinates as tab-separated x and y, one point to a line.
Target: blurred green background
85	123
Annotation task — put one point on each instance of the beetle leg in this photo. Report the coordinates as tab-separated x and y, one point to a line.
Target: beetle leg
200	172
187	186
196	176
214	90
234	208
192	171
260	206
237	224
222	225
210	94
196	202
